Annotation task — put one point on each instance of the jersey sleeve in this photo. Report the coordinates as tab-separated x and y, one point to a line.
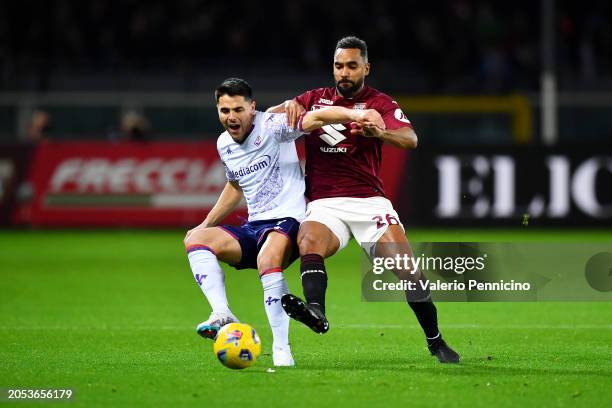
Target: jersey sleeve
276	124
306	99
228	173
392	114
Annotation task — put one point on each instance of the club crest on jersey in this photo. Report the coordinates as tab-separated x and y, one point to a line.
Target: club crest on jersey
258	140
229	150
359	106
326	101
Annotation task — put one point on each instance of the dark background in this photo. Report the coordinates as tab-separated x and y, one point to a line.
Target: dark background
431	47
89	63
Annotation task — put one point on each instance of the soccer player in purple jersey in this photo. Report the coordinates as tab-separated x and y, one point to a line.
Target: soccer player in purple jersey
346	193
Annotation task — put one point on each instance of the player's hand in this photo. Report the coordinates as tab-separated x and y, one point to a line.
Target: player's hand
293	111
367	129
370	117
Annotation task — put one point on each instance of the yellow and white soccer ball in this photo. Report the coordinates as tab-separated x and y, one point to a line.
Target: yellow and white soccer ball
237	346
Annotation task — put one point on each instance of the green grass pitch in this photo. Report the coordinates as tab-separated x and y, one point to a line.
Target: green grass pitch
111	314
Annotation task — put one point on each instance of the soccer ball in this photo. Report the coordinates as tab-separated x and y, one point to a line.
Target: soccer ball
237	346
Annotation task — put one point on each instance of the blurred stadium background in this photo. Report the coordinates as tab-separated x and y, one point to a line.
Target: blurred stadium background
107	106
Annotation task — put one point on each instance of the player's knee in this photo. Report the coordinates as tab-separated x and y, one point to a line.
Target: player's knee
189	240
269	260
311	244
199	237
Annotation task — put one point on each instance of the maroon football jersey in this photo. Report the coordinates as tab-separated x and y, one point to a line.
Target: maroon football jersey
339	164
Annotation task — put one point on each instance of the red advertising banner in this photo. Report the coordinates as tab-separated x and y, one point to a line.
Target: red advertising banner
103	184
14	161
123	184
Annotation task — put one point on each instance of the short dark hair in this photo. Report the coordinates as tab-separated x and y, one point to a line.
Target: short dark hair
233	87
354	42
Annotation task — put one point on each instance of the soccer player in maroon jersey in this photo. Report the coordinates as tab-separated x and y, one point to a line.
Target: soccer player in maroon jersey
346	193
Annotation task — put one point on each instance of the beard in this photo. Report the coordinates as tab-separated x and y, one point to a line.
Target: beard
348	91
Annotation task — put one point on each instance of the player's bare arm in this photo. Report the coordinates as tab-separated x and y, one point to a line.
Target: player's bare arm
226	203
293	110
337	114
404	137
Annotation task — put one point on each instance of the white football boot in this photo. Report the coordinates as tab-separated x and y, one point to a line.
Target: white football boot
209	328
282	356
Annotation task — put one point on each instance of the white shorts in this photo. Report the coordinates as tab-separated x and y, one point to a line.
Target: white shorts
366	219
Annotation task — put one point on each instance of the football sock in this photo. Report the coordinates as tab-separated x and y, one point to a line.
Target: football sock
209	276
314	279
274	287
427	316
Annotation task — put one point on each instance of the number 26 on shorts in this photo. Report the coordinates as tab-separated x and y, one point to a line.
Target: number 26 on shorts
391	220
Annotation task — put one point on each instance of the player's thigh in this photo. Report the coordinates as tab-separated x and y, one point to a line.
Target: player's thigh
393	243
220	242
316	238
275	252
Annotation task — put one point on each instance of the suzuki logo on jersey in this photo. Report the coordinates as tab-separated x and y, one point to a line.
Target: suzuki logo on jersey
333	149
332	135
